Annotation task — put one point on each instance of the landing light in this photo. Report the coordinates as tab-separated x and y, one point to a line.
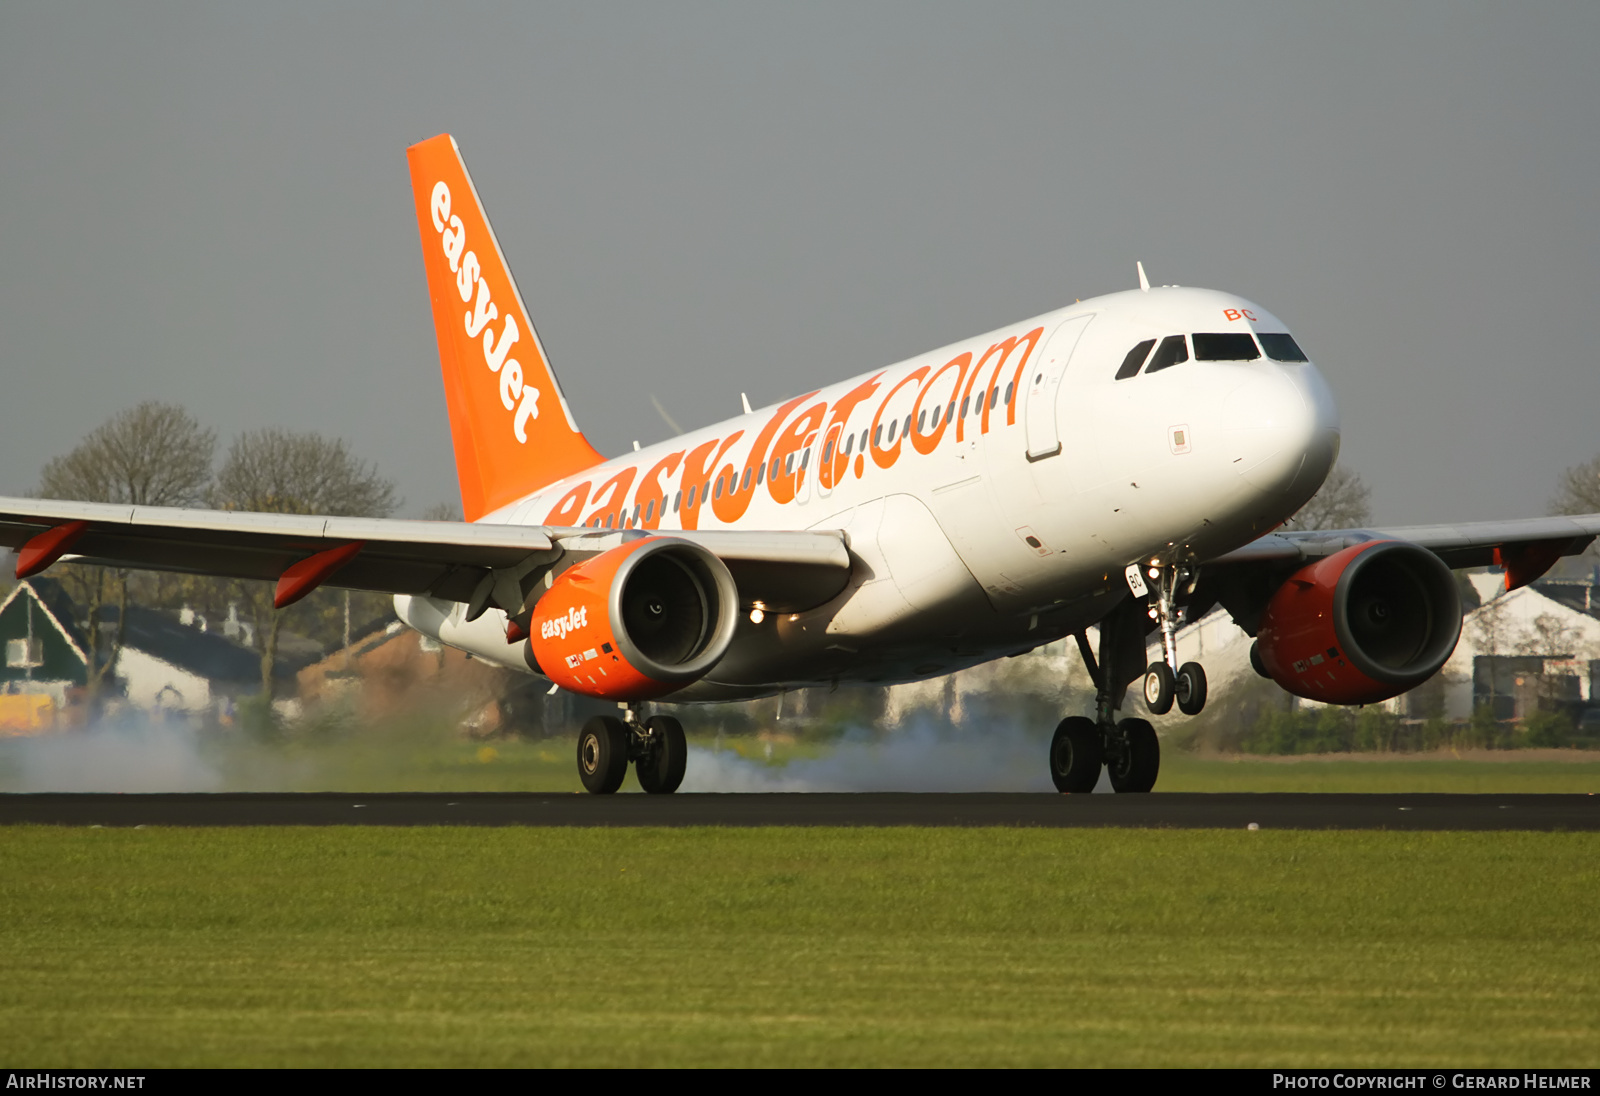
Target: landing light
757	616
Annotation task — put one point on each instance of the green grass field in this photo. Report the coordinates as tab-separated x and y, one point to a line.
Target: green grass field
797	947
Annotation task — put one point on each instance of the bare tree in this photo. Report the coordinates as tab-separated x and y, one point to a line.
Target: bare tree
155	454
1579	491
1343	502
278	471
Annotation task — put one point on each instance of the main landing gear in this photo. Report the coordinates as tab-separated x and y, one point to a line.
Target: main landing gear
657	749
1128	748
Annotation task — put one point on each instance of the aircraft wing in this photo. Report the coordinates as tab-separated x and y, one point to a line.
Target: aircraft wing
784	570
1474	544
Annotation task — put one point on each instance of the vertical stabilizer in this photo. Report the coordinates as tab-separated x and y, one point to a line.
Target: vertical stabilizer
509	422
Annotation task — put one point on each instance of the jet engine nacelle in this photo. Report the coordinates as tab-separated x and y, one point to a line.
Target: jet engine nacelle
1363	625
638	621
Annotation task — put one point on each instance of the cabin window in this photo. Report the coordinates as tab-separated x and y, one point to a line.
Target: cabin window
718	495
964	401
1009	388
692	492
877	435
805	459
1135	359
893	426
1281	347
609	517
994	395
922	422
650	510
1229	346
849	444
788	465
745	486
827	451
1171	351
677	500
864	430
635	519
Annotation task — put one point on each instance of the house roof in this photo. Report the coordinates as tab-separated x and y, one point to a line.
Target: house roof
49	595
206	654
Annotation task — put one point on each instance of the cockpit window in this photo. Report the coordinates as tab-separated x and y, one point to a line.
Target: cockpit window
1171	351
1135	358
1282	348
1232	346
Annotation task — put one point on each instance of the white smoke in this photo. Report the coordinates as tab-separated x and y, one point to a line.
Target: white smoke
134	756
927	756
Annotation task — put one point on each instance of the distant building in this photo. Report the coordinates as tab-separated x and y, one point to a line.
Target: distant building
164	668
46	667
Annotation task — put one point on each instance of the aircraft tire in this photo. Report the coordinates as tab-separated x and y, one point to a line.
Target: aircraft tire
1159	686
1075	755
1140	761
602	755
1191	688
661	770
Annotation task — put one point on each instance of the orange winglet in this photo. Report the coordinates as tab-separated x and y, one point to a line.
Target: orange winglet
47	547
303	577
1525	562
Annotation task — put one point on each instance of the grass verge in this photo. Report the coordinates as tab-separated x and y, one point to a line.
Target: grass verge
797	947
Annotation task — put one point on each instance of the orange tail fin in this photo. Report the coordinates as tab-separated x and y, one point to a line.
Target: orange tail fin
510	424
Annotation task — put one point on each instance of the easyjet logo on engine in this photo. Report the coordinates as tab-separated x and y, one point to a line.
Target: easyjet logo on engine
569	621
516	394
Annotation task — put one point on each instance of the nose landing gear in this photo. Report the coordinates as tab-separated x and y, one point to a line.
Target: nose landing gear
1166	681
1128	749
657	749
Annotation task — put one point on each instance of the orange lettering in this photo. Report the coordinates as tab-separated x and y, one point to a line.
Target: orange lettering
831	472
882	456
610	510
924	443
1005	348
781	484
1231	313
742	483
650	491
696	479
571	505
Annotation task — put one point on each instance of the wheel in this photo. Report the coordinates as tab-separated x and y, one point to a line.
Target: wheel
1136	764
1158	688
603	754
1191	688
1075	755
1255	660
661	769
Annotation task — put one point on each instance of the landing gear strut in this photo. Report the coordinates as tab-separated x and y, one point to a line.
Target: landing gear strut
656	747
1166	681
1128	748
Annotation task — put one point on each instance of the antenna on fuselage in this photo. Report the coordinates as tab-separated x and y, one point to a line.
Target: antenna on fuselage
744	401
1144	283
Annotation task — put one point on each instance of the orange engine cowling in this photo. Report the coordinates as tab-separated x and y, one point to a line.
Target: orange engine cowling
636	622
1363	625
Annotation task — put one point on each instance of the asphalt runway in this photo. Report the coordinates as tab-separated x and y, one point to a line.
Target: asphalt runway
1160	810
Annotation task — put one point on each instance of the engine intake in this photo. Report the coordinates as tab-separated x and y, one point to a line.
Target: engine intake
636	622
1363	625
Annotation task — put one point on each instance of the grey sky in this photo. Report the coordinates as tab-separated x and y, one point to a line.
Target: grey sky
210	205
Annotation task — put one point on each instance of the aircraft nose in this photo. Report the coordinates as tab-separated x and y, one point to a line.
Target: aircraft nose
1283	430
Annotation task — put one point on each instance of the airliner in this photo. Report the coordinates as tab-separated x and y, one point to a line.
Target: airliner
1118	465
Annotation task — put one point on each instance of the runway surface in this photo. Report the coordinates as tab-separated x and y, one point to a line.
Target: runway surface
1169	810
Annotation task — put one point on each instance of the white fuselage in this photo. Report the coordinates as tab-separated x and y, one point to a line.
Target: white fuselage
1030	478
